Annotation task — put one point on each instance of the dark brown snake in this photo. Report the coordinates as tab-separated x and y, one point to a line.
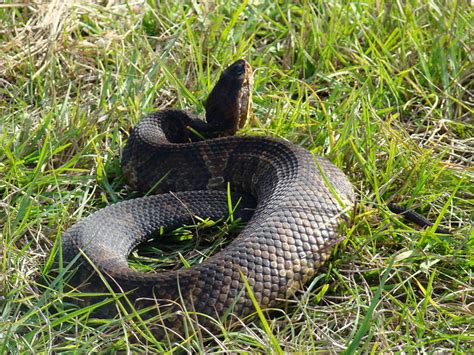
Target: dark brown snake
300	202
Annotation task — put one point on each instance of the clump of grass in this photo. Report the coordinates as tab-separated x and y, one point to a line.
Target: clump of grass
382	90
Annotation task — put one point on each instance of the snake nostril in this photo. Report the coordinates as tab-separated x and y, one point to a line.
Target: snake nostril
238	68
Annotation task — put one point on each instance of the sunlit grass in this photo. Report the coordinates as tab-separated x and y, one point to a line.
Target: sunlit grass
384	90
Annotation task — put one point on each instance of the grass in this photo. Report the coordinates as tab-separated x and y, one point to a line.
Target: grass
384	90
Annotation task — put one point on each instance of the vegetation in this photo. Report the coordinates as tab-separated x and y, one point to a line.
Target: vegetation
383	89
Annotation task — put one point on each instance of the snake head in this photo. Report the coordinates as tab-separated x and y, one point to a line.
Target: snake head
229	103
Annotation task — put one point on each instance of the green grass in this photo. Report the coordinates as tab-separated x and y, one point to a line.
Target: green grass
384	90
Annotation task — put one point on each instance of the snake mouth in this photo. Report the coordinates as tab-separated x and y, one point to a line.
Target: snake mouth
246	96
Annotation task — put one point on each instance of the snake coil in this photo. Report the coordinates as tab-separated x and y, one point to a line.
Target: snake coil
300	202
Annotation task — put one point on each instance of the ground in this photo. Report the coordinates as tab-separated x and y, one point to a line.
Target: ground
383	89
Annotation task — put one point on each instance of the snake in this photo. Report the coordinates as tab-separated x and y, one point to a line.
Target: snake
294	203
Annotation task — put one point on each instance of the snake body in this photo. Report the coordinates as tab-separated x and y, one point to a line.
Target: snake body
300	202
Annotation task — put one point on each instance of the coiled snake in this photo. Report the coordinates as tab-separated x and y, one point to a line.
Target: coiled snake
300	201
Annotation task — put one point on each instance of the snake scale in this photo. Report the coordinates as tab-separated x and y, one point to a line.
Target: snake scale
300	202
